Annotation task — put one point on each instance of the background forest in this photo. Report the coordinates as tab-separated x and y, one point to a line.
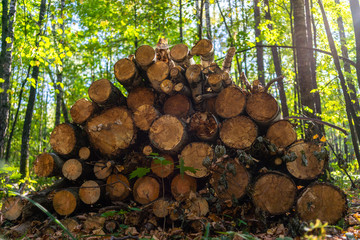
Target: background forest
51	51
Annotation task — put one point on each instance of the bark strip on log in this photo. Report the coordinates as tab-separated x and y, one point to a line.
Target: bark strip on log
274	192
193	156
263	108
104	93
321	201
182	186
239	132
48	165
168	133
146	190
140	96
182	89
82	110
65	202
306	166
194	78
111	131
281	133
230	102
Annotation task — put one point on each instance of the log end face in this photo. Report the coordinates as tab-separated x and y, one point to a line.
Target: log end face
140	96
72	169
182	186
90	192
163	170
63	139
202	47
144	116
146	190
81	110
64	202
230	102
281	133
145	55
179	52
204	125
100	90
44	165
262	107
124	70
177	105
117	186
12	208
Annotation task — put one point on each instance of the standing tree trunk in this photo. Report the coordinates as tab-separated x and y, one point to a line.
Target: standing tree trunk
348	104
303	58
199	14
181	21
7	39
208	22
259	50
355	10
277	64
31	102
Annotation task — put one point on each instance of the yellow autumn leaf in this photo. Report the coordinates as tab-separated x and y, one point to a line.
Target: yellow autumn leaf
323	139
315	136
8	40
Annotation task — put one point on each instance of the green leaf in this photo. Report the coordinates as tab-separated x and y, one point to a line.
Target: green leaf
8	40
139	172
2	80
183	168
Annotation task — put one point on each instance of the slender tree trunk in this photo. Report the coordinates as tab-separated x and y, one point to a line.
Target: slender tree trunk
347	68
349	106
208	22
7	39
199	13
355	12
136	43
181	22
259	50
277	64
303	59
30	106
8	145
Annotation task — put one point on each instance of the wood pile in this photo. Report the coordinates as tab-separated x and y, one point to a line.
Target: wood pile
184	144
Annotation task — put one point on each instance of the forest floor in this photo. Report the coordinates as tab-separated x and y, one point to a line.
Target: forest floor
92	226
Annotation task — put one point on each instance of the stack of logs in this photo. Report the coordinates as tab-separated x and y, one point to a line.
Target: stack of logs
184	141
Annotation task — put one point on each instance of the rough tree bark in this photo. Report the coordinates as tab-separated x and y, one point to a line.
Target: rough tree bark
348	104
181	21
30	106
208	22
355	12
259	50
277	64
7	39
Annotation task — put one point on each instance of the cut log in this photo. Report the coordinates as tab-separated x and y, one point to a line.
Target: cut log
74	168
167	87
103	169
168	133
239	132
111	131
306	166
177	74
104	93
281	133
180	54
263	108
274	193
84	153
193	156
90	191
230	102
127	74
161	169
178	106
147	150
48	165
157	73
182	89
82	110
199	207
182	186
216	82
230	182
194	78
144	116
204	49
321	201
204	125
161	208
65	202
70	224
146	190
145	56
66	139
12	208
117	187
140	96
228	59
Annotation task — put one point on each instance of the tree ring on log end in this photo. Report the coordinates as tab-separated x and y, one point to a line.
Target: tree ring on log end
124	70
100	90
145	55
72	169
81	110
90	192
140	96
281	133
182	186
64	202
230	102
193	156
167	133
321	201
12	208
117	186
44	165
179	52
239	132
177	105
306	166
274	193
262	107
146	190
63	139
111	131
